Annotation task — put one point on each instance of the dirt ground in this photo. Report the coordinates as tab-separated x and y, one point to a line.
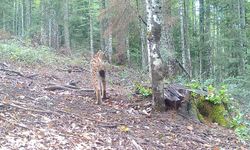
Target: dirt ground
54	108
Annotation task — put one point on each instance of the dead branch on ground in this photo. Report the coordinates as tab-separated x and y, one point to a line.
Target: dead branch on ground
14	123
12	71
55	87
15	104
3	65
136	145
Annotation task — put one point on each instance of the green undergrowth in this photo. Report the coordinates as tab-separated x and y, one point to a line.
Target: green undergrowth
143	90
18	52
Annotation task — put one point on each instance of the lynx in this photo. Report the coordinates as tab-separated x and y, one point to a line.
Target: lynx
98	76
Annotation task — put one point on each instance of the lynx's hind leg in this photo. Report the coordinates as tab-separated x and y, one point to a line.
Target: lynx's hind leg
98	96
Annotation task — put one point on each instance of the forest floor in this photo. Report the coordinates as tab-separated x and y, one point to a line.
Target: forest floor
39	109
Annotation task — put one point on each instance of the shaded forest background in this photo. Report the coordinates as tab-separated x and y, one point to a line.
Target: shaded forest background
214	33
210	38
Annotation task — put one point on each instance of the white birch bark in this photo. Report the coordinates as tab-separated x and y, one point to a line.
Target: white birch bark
66	26
91	30
153	45
110	49
127	48
22	19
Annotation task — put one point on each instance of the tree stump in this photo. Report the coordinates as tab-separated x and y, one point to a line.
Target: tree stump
178	97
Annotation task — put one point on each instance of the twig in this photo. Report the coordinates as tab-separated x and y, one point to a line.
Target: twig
78	69
34	110
144	22
65	133
108	126
136	145
14	123
54	88
32	76
12	71
3	65
194	139
71	87
87	90
60	87
73	83
181	66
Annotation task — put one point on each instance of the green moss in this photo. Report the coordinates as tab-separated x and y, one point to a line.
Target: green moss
218	115
212	113
201	118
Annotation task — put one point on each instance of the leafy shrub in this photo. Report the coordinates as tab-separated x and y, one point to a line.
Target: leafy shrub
144	91
243	132
215	95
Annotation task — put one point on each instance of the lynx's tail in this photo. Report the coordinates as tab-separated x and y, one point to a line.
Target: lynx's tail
102	73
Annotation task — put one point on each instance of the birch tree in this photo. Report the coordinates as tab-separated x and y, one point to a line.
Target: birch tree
66	25
153	8
91	30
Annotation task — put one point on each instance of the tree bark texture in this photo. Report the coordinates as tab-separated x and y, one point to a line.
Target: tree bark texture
153	45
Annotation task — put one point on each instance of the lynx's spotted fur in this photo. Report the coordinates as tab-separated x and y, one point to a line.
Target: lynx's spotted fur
98	76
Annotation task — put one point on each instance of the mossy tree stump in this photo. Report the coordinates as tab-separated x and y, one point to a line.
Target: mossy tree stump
193	104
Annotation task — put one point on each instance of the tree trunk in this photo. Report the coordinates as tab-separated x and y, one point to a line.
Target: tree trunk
243	37
14	17
22	19
144	56
91	29
167	45
181	7
66	25
208	53
127	48
50	31
110	48
140	7
187	45
57	36
201	45
28	7
43	23
186	58
153	45
103	28
4	24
